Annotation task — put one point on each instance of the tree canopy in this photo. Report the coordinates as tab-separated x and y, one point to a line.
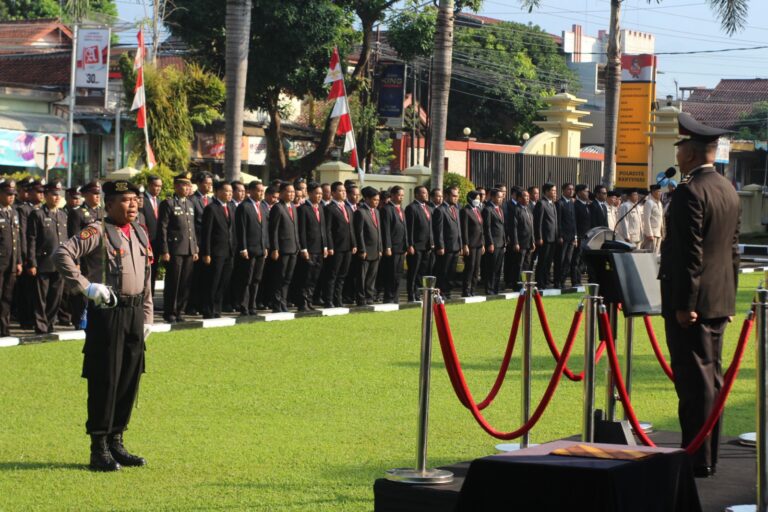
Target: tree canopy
13	10
754	124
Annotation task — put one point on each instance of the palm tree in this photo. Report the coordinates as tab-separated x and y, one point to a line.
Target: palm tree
612	80
238	27
441	84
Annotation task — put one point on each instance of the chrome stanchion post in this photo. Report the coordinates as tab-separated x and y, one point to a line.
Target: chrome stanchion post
529	284
761	502
422	475
590	318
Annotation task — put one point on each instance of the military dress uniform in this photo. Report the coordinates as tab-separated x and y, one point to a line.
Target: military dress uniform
115	336
10	257
24	301
46	231
177	237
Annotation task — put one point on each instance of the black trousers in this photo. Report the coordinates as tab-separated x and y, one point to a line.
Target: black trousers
445	270
511	276
366	281
218	274
247	277
286	265
391	270
696	354
544	264
577	266
307	274
563	259
196	296
48	287
520	261
418	267
7	282
494	263
338	268
178	279
24	300
471	269
153	273
348	293
113	363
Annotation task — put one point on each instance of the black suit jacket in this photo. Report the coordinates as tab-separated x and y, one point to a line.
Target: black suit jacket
218	231
342	233
566	219
251	234
493	227
313	234
447	228
700	253
10	238
583	218
46	231
471	227
368	232
521	228
151	222
545	221
177	234
419	227
598	216
198	202
393	229
79	218
283	230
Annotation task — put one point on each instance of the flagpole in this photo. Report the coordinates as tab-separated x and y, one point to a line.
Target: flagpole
360	172
71	128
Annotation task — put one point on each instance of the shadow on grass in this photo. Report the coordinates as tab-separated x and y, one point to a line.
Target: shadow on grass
33	466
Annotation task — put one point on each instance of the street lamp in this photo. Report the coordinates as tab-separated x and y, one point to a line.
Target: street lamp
526	136
467	132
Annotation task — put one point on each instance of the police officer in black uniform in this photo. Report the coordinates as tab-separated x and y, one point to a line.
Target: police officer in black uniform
32	192
46	231
119	316
10	252
178	247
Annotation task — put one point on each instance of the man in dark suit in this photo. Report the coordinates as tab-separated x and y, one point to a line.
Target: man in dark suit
199	200
10	252
448	242
314	243
339	218
217	247
46	231
699	275
367	226
545	232
284	245
418	220
252	238
598	209
151	210
509	207
472	236
178	247
521	243
566	226
495	241
395	244
583	213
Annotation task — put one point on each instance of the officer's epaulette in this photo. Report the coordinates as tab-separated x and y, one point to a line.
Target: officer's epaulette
686	179
88	233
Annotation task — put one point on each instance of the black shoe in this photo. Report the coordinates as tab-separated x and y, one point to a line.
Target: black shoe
704	471
217	315
169	319
310	307
101	458
328	305
302	309
251	312
277	310
180	319
121	455
209	317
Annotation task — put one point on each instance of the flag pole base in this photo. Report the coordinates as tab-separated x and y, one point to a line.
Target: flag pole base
414	476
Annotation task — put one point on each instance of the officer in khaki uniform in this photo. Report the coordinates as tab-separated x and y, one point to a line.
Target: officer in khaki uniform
119	315
10	252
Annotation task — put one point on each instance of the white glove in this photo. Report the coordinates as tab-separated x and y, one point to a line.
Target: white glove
98	293
147	331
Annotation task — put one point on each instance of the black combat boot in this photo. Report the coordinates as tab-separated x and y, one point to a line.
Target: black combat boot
101	459
121	455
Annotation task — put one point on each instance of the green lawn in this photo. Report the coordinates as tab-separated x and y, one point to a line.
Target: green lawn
299	415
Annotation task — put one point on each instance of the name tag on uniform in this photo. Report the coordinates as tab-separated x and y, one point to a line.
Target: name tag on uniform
47	221
177	210
2	221
191	211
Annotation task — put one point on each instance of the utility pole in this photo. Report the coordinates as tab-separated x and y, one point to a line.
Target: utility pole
441	84
155	29
612	81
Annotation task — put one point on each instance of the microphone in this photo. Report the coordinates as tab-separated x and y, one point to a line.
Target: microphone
661	177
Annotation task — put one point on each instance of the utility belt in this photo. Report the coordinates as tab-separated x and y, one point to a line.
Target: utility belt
130	301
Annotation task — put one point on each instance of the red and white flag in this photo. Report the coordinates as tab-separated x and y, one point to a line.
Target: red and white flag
335	77
140	100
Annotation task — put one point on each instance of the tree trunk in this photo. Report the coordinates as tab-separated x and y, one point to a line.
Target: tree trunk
275	149
156	15
238	27
441	83
612	83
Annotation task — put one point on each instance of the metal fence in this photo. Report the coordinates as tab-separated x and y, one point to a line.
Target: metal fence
489	168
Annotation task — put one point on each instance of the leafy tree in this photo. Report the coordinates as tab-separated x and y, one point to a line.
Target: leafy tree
11	10
754	124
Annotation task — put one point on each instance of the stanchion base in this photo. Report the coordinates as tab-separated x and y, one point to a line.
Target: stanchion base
414	476
511	447
748	439
741	508
646	426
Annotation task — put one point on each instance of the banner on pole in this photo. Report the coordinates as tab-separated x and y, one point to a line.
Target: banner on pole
391	95
92	66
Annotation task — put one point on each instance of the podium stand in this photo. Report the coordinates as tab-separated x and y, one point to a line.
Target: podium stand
628	277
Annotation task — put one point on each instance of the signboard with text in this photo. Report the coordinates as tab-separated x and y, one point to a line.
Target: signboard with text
19	149
92	66
391	95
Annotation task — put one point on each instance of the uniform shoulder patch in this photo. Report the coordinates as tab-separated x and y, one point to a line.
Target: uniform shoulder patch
88	233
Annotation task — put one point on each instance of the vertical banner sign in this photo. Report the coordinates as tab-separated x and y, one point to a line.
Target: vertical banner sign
391	95
92	71
638	90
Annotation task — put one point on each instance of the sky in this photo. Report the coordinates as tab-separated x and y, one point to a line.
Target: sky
678	25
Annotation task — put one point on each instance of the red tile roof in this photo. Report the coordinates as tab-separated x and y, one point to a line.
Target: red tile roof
46	69
724	105
719	115
20	36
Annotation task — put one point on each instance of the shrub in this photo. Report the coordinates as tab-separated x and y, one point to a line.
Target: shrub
451	179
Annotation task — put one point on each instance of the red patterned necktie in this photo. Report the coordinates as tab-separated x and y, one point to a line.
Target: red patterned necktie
426	211
226	211
290	210
317	212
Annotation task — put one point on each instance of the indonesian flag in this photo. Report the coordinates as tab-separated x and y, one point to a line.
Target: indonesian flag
338	91
139	99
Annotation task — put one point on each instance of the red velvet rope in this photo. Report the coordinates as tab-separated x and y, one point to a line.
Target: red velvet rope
453	366
551	341
728	380
657	349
